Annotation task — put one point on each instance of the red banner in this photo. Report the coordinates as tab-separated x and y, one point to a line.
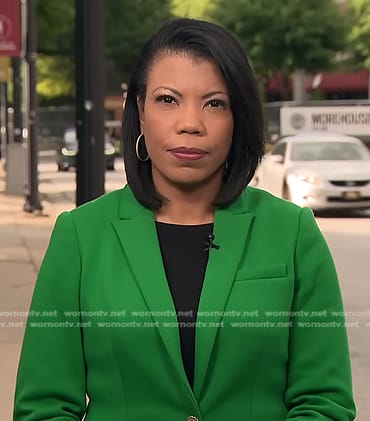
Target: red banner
10	28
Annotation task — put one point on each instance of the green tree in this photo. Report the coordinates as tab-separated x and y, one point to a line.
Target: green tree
190	8
128	25
55	27
56	79
359	37
55	39
284	36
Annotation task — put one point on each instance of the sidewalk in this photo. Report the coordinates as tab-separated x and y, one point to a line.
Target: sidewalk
23	241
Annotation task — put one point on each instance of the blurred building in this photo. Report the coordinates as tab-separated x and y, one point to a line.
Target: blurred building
323	85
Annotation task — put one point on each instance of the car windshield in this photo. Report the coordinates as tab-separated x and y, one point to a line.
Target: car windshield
70	139
71	142
329	151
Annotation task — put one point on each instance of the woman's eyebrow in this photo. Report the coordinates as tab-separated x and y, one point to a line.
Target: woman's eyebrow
179	94
173	90
214	93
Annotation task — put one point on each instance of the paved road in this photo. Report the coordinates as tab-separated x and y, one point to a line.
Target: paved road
60	186
349	241
348	238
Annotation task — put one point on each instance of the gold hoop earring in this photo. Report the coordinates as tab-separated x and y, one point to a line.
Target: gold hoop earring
141	136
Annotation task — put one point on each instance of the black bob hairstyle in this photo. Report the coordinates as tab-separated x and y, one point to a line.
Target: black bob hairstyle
199	40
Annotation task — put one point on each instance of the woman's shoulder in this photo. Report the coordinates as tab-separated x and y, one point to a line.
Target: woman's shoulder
272	211
277	215
101	208
259	200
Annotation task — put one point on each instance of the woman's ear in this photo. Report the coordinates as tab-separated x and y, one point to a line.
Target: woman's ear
140	106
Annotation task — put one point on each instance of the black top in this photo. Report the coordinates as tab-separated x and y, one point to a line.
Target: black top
185	262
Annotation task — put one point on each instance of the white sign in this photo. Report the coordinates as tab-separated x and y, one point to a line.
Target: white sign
353	120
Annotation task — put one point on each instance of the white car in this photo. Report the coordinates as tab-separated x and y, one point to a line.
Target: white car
320	170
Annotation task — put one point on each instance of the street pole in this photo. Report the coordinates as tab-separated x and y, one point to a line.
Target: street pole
90	93
32	203
17	99
3	114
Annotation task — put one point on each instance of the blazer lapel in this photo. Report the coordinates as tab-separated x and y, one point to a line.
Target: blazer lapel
138	237
231	233
137	234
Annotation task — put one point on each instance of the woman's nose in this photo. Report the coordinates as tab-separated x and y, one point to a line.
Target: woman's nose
190	121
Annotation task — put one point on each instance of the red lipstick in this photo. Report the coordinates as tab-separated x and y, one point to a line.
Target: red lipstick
189	154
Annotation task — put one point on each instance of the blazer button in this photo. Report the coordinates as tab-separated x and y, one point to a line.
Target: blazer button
192	418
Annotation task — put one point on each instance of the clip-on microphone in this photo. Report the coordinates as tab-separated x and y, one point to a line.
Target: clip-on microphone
208	244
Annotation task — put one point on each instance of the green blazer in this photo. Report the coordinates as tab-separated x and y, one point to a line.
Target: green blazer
271	343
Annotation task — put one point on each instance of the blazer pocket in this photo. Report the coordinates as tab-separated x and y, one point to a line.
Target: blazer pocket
262	272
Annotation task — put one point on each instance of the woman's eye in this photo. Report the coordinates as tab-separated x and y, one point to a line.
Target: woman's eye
166	99
216	103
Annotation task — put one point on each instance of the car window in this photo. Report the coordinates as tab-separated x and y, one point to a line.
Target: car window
279	149
328	151
70	137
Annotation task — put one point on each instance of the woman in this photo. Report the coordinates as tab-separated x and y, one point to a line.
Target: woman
187	295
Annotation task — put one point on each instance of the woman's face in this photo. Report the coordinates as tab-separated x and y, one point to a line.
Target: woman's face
187	121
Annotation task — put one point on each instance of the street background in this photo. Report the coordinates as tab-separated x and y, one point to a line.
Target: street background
304	53
24	238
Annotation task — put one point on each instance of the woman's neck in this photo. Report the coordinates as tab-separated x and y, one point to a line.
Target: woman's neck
186	206
182	213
